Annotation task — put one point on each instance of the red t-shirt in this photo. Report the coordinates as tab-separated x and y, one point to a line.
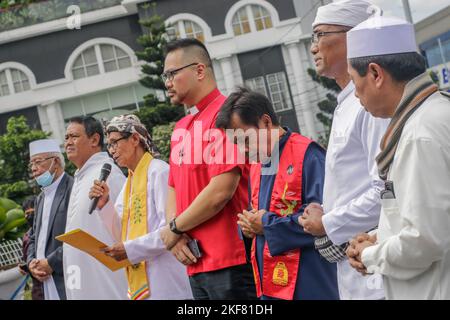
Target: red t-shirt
218	237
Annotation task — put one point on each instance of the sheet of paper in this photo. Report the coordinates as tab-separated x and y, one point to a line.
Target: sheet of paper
85	242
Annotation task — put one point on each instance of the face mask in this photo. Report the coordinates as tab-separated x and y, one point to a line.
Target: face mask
45	179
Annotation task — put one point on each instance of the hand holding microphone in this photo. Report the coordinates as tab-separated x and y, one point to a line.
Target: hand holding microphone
100	190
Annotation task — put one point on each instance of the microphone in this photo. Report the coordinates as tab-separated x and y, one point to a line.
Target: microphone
106	170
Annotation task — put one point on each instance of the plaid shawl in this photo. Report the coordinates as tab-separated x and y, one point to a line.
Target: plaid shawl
416	92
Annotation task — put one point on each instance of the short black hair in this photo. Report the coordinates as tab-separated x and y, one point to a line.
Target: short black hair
249	105
188	43
402	67
28	203
91	126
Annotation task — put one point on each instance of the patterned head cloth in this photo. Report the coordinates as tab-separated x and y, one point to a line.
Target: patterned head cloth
131	124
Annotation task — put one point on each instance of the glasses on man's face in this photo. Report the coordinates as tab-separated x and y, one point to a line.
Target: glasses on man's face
38	163
113	144
317	35
169	75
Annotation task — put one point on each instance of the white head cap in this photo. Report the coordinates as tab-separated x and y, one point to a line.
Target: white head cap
347	13
44	146
381	36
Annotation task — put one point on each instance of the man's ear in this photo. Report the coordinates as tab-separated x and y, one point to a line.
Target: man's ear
377	74
201	71
267	121
136	140
95	139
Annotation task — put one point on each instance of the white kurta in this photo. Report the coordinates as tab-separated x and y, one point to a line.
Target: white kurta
167	277
85	277
414	232
50	291
351	196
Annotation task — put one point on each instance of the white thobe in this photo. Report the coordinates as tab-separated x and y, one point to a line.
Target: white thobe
50	291
85	277
413	251
167	277
351	196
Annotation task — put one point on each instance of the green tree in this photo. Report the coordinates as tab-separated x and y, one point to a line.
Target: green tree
326	106
155	111
14	158
161	136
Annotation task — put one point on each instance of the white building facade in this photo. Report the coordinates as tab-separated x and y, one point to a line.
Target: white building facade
50	73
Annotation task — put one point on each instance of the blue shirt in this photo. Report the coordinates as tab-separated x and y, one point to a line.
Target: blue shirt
316	277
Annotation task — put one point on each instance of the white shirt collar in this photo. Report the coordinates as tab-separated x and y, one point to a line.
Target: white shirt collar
346	92
93	160
193	110
49	189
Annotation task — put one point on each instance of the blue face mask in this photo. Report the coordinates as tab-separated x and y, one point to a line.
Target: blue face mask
45	179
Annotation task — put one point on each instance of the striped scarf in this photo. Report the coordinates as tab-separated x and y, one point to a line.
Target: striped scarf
416	92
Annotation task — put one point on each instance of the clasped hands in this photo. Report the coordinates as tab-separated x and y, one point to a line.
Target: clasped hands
251	222
356	248
311	220
40	269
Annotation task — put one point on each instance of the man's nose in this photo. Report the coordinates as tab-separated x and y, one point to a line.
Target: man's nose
314	48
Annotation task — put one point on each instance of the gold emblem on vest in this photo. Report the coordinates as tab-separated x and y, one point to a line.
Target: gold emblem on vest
280	274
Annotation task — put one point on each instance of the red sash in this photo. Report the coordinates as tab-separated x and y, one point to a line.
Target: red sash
280	272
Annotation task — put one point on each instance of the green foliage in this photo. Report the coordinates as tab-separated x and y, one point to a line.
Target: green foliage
154	112
14	158
161	136
159	115
326	106
70	167
12	220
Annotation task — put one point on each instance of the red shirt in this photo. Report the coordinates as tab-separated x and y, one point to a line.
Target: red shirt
218	237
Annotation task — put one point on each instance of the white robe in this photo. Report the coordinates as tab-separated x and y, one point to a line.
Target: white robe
351	196
167	277
85	277
414	232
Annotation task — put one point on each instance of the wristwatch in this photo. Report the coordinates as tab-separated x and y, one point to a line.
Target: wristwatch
173	227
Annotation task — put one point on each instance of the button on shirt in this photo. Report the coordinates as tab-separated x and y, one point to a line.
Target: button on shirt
218	237
50	291
351	197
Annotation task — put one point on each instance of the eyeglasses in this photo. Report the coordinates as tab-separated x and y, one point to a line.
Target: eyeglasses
317	35
38	163
113	144
169	75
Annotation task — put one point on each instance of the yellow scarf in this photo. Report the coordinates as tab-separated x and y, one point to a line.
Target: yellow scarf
134	225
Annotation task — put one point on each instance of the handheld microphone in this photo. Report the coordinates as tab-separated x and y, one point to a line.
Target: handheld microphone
106	170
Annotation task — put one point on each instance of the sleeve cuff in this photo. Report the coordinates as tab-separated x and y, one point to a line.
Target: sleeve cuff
368	259
131	255
327	222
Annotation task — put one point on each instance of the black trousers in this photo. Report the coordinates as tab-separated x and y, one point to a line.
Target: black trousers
233	283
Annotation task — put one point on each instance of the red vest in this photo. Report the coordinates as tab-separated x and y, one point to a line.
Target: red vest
280	272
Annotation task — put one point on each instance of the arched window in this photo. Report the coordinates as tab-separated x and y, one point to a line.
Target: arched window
188	29
262	18
13	81
251	18
100	58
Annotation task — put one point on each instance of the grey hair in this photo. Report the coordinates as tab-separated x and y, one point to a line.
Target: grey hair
60	156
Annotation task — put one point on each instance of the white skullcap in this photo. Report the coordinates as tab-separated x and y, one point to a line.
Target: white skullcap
381	36
347	13
44	146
